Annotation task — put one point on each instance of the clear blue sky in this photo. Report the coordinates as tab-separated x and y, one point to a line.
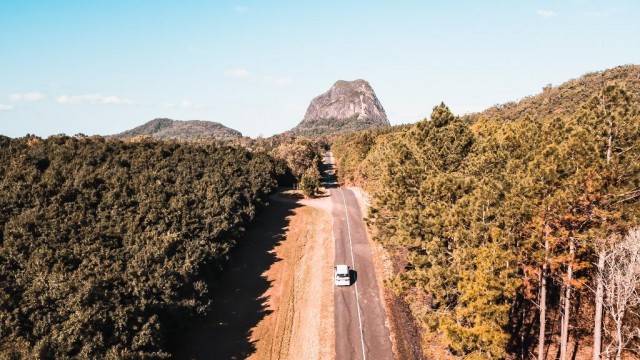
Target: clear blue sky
104	66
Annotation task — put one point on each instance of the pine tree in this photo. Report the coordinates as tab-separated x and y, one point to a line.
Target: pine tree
615	126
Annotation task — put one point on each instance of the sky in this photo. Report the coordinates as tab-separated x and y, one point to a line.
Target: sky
105	66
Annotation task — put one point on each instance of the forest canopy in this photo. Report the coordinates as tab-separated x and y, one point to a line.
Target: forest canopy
105	245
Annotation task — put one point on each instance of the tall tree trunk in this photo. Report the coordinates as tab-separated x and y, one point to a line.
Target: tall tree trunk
564	332
543	303
597	328
619	339
610	142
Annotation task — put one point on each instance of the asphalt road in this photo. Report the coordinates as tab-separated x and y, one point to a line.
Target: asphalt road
360	318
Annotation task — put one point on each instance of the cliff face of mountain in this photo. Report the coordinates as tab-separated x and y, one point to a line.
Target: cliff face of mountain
347	106
181	130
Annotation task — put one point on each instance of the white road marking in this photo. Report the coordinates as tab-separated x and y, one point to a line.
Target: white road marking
353	262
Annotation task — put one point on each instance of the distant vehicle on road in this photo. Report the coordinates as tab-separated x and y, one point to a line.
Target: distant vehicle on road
342	275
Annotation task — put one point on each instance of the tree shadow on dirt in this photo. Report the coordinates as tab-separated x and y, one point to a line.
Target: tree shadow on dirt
238	301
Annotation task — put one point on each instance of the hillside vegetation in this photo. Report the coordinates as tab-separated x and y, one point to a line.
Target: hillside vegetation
333	126
497	221
567	98
105	245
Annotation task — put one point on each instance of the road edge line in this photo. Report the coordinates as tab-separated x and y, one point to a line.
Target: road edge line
353	262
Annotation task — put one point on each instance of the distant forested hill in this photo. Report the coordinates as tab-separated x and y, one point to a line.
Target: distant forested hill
104	244
495	222
181	130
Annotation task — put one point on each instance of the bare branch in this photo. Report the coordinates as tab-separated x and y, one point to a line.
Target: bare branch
621	276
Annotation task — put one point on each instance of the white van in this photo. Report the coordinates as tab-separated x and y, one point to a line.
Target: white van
341	275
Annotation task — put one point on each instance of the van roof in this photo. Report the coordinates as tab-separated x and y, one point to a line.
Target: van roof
342	269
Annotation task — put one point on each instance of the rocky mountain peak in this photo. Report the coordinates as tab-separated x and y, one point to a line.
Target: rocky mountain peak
346	106
345	100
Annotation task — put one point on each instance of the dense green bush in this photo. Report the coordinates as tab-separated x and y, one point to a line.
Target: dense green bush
104	245
310	182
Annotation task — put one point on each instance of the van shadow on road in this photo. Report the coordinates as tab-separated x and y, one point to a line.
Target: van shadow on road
238	301
353	276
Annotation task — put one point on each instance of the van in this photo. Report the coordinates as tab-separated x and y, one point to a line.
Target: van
342	275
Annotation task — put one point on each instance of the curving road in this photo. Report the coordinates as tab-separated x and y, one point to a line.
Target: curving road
361	332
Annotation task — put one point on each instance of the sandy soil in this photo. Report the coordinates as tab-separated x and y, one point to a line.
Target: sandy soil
300	300
322	202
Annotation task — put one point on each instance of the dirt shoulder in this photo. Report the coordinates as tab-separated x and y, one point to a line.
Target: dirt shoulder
300	300
274	300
